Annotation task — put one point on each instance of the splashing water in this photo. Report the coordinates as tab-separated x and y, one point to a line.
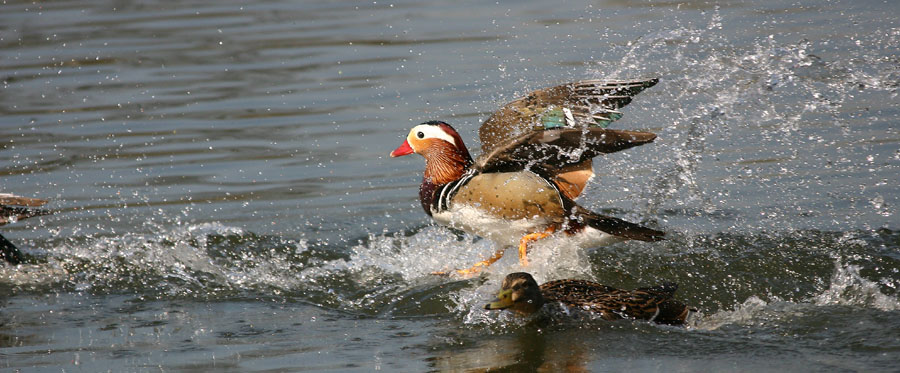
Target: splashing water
846	288
849	288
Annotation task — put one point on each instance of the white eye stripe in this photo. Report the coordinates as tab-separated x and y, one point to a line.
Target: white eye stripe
431	131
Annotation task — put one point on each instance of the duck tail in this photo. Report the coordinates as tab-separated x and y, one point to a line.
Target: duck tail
673	312
619	227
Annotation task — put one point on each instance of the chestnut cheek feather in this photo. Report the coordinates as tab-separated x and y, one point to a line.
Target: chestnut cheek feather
443	162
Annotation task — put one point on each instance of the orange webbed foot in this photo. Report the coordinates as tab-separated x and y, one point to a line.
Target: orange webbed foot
477	267
523	244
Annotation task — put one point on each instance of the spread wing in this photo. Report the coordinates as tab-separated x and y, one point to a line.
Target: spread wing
585	103
14	208
557	148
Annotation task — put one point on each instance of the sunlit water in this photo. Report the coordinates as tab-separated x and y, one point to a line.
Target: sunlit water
225	199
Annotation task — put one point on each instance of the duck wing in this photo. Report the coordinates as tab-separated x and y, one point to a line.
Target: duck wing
586	103
583	104
558	148
13	207
12	199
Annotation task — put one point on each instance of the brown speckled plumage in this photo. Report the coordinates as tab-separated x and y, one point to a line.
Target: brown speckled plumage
13	208
653	303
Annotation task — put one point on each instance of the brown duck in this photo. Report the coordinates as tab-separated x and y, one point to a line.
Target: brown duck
520	293
12	209
536	159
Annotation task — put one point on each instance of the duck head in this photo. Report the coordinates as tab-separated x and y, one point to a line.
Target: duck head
519	293
446	157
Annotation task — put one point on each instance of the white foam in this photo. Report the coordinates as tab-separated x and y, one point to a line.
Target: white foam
168	255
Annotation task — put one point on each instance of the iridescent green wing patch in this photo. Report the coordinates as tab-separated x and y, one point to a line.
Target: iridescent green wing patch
556	117
553	117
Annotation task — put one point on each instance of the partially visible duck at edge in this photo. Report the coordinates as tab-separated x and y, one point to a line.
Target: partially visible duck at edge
536	159
520	293
14	208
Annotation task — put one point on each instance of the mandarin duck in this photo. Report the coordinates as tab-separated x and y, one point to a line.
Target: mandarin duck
12	209
520	293
536	159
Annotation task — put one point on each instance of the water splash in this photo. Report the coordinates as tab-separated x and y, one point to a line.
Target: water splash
846	288
204	260
779	91
392	274
849	288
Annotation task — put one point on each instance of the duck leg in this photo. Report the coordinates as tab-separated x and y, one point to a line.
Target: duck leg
477	266
523	243
523	250
484	263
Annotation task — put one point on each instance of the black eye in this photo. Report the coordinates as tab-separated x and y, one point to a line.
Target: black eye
420	135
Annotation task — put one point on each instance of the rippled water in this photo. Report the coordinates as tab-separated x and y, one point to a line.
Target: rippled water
225	199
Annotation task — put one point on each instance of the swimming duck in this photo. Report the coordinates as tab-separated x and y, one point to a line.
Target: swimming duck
536	159
12	209
521	293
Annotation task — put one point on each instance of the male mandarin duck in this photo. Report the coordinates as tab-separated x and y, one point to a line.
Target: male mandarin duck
12	209
536	159
521	293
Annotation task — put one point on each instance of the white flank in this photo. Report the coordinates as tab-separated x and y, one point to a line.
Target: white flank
478	222
509	232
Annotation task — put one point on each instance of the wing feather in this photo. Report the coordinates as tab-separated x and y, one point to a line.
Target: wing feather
558	148
591	103
13	207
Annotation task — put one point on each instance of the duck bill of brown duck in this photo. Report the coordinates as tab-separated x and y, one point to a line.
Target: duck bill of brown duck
503	301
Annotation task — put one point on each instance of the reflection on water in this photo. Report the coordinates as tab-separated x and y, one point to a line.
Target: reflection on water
525	351
531	349
225	198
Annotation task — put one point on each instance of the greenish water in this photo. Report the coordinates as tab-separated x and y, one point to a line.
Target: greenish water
225	200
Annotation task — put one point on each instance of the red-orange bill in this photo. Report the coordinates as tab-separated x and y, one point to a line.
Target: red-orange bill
402	150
